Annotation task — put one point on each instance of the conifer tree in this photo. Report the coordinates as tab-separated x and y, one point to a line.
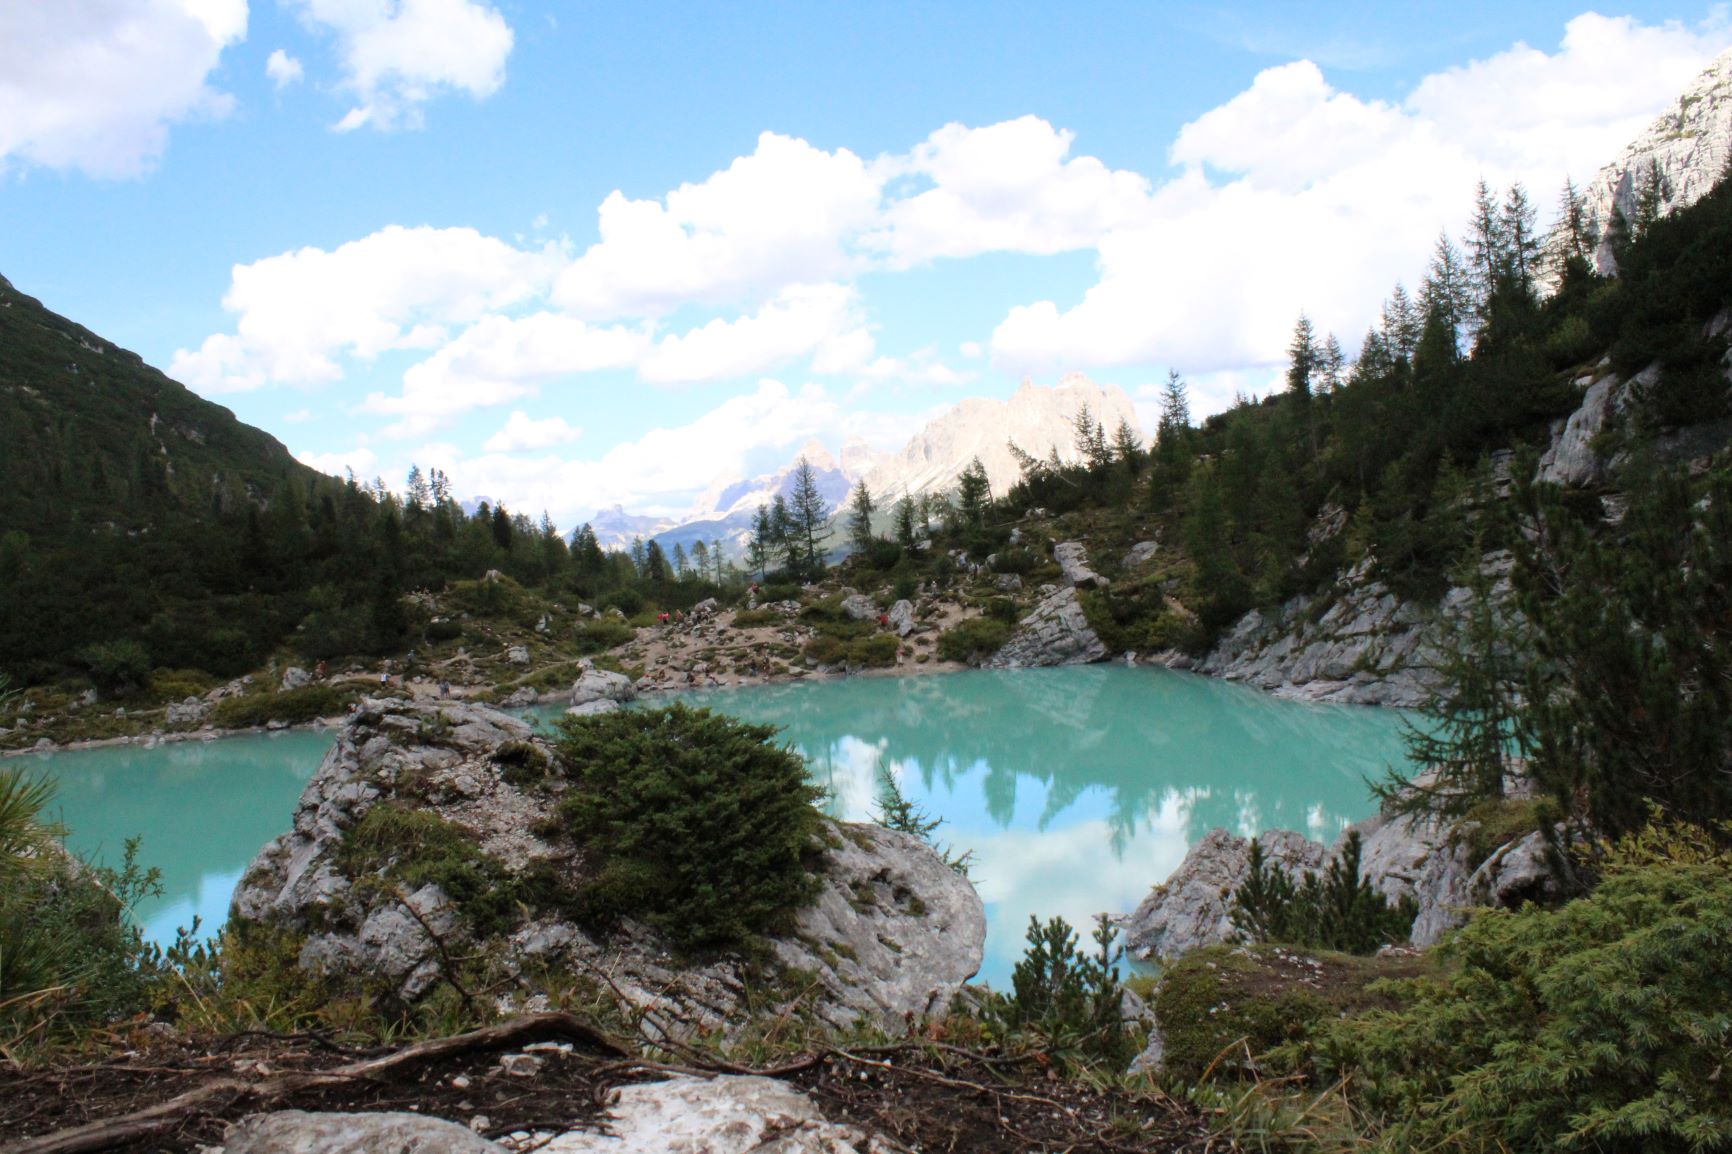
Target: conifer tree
974	493
760	546
860	510
679	560
807	513
905	522
1303	357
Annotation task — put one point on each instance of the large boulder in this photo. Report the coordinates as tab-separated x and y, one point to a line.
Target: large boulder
1192	908
600	684
294	677
902	618
1056	632
302	1132
859	607
1073	559
1571	458
893	931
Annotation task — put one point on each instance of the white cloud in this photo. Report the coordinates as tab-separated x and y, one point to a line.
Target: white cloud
1006	187
298	417
396	55
283	69
362	461
768	221
95	84
398	288
1329	200
522	431
500	359
820	320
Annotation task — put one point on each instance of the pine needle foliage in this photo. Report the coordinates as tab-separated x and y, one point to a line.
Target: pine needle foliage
1336	909
1602	1025
1071	1000
695	822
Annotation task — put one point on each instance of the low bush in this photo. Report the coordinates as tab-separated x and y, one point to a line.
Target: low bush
778	591
756	618
875	652
291	705
179	684
443	629
825	649
974	640
1070	1001
602	635
1598	1026
496	597
698	824
116	666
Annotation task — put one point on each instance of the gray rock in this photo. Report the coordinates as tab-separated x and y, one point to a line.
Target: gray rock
902	618
1191	908
859	607
894	929
294	677
601	684
1056	632
894	932
191	711
1140	552
723	1115
521	698
1007	583
517	655
300	1132
1570	459
43	743
592	708
1072	558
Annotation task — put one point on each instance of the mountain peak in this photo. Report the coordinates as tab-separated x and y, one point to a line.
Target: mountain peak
816	455
1689	142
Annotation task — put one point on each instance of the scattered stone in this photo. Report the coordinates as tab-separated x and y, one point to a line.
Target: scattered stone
1139	553
1073	559
859	607
191	711
518	655
294	677
1007	583
1056	632
519	1065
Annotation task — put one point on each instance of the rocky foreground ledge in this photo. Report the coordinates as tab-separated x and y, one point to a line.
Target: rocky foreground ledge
893	933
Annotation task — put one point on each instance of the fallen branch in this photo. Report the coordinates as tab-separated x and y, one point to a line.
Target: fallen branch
109	1132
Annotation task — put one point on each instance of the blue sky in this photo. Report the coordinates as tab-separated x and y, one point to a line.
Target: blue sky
491	234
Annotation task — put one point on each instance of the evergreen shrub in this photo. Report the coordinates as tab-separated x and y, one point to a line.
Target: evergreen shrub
693	822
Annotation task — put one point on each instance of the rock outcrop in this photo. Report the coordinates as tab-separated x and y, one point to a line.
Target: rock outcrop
859	607
1430	861
1191	908
893	932
1073	560
1688	143
1055	632
1362	649
902	618
304	1132
1571	458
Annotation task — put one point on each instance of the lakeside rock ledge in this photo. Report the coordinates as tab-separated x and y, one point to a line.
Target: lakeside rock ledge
894	931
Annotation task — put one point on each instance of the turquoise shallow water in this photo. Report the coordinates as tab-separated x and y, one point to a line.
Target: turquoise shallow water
1076	789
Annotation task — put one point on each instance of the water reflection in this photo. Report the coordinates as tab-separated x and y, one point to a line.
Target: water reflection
1077	789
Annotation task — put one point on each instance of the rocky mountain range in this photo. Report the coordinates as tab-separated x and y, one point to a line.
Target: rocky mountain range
1038	419
1689	142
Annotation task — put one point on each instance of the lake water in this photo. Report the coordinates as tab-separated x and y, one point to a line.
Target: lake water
1076	789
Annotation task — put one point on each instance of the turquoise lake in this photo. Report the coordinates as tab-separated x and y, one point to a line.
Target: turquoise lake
1076	789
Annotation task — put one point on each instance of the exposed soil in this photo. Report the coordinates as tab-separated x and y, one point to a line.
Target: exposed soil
932	1100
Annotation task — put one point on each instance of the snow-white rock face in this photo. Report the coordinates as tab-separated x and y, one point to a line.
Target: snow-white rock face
1690	141
1037	418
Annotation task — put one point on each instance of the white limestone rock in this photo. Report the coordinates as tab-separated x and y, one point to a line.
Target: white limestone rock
859	607
294	677
722	1115
1191	909
1055	632
303	1132
1570	459
902	618
1073	559
601	684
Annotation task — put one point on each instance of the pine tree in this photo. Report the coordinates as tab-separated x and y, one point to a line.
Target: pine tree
700	559
502	528
974	493
860	510
905	522
1485	247
1519	225
1127	449
785	533
417	495
761	545
655	564
1334	362
1448	288
1653	190
807	511
679	561
1401	323
1303	357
